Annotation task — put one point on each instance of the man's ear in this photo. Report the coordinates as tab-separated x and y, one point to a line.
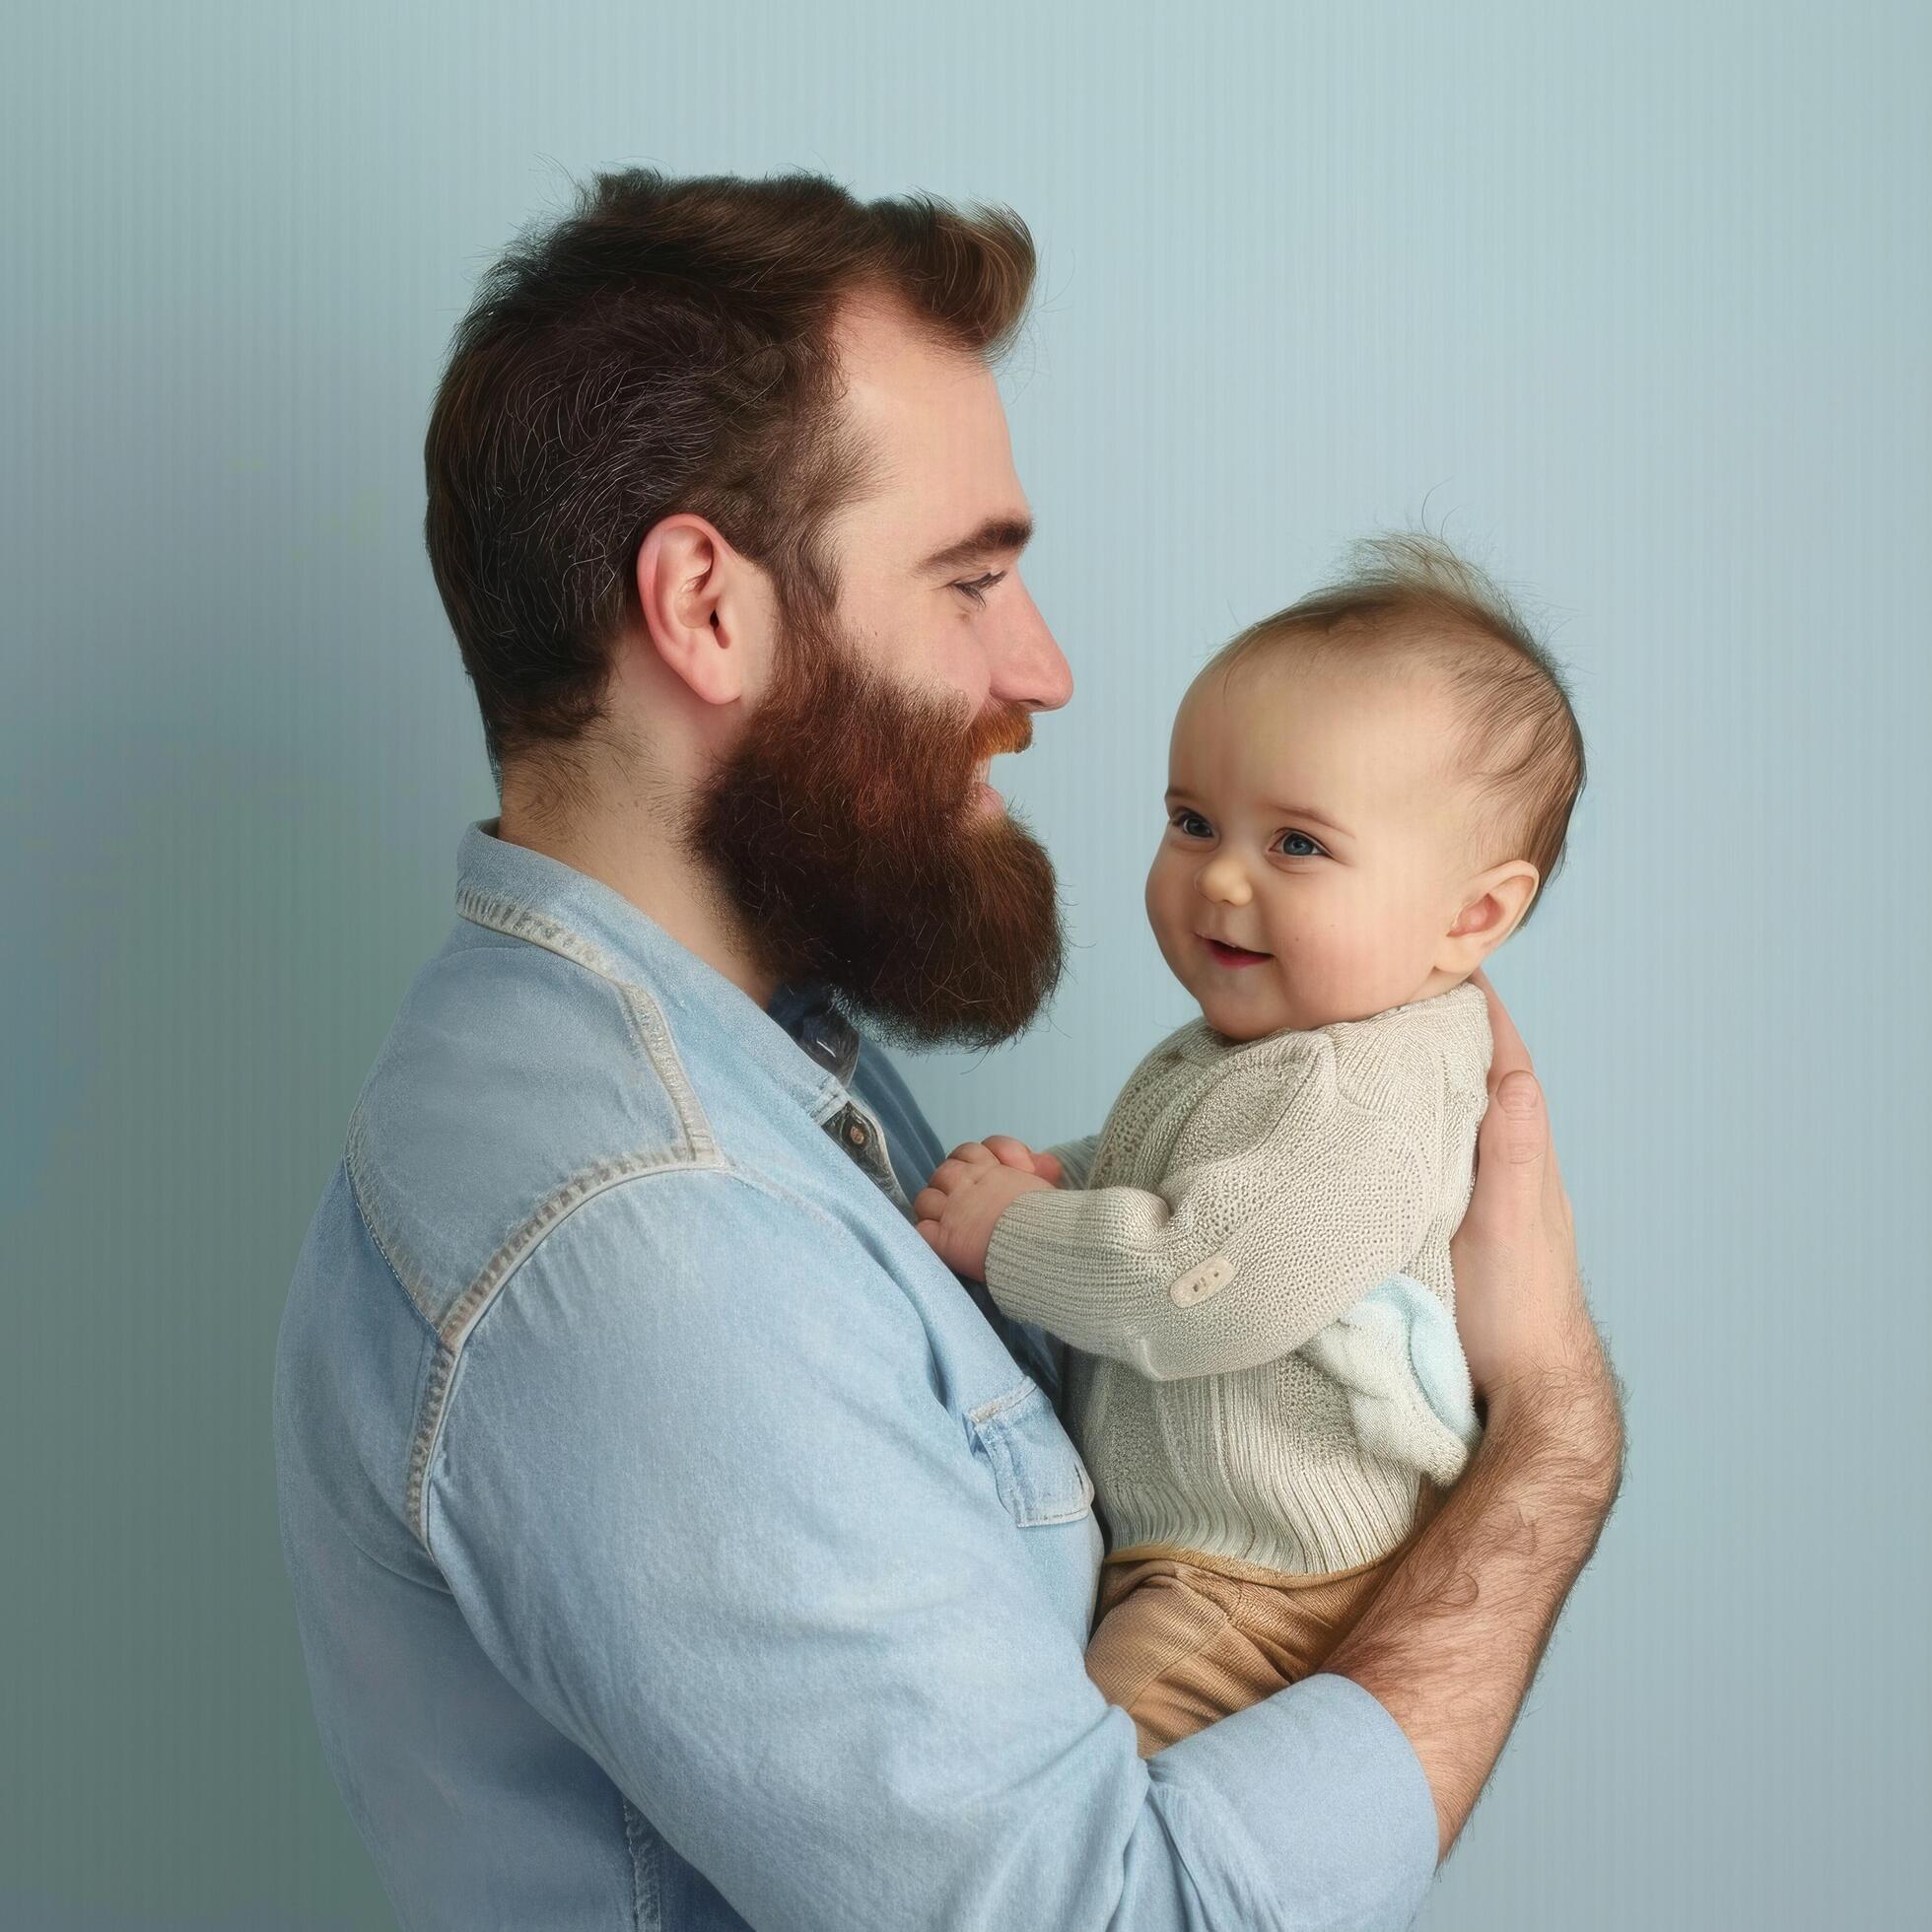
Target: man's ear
1493	905
706	609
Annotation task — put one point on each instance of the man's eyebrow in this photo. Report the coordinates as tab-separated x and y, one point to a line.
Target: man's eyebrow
1286	812
996	535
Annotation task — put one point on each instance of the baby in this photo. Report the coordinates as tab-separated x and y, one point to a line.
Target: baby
1251	1260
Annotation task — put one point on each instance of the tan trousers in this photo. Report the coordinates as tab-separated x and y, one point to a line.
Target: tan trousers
1181	1638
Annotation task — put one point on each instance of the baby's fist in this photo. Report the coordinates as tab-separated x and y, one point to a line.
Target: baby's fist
956	1211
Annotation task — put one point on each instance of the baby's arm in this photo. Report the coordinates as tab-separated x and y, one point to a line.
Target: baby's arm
1238	1260
957	1209
1075	1158
970	1189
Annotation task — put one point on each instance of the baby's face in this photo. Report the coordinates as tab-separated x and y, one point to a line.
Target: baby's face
1312	819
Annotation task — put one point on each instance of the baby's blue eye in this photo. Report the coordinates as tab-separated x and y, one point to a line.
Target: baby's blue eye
1314	852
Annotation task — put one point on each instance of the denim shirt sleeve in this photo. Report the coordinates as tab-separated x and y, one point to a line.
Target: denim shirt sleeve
700	1498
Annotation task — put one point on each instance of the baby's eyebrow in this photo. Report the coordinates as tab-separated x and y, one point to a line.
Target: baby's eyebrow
1304	812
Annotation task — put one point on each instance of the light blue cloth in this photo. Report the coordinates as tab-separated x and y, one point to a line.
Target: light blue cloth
676	1543
1410	1397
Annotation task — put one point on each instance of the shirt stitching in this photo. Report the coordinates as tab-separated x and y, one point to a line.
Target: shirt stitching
649	1031
468	1308
474	1302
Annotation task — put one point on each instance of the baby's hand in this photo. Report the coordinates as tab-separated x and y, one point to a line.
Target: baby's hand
969	1191
1016	1153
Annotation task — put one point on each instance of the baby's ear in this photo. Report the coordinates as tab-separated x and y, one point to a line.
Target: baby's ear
1493	906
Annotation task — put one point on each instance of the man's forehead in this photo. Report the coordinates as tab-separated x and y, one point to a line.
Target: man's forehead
938	456
879	339
895	371
895	374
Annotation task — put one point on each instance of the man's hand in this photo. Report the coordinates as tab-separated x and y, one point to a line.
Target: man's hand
956	1211
1452	1638
1519	1298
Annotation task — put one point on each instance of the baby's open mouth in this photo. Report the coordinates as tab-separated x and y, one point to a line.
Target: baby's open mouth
1233	955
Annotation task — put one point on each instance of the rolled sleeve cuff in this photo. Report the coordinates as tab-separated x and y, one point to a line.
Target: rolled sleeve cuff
1331	1799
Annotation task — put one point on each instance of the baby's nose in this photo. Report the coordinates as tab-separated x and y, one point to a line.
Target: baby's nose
1223	878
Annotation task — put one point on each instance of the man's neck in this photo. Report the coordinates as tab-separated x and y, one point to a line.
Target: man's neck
655	877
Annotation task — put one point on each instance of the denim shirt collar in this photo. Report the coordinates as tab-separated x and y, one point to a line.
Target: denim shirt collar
806	1012
802	1040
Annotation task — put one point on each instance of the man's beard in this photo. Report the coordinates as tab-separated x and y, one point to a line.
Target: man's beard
846	833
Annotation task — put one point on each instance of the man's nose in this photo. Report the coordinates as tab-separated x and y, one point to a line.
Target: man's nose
1222	877
1029	667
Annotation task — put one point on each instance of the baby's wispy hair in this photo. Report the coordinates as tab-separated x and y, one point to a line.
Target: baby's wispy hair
1407	598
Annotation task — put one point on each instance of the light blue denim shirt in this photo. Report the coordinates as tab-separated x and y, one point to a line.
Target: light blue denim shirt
675	1541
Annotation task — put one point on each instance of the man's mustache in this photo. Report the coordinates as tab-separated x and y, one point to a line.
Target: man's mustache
1010	729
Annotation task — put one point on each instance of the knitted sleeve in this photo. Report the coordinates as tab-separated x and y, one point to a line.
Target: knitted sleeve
1240	1254
1075	1159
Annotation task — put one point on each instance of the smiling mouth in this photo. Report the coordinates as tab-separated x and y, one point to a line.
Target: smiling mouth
1232	955
980	794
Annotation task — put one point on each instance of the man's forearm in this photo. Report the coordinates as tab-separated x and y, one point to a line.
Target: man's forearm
1453	1639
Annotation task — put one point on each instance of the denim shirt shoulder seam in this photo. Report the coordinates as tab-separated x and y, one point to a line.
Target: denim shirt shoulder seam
355	1161
469	1307
695	1151
482	1293
649	1034
352	1163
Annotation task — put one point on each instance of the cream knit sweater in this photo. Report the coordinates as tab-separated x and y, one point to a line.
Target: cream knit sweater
1254	1274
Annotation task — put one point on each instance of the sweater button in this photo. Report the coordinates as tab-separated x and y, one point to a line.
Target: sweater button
1198	1284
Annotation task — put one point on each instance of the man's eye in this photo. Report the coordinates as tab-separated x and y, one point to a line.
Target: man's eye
980	586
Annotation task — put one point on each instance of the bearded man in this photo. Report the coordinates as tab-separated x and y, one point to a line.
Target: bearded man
675	1541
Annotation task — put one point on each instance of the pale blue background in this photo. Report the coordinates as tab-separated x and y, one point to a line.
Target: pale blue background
1633	304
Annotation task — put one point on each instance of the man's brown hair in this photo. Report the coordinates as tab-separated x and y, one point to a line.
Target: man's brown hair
666	347
1409	599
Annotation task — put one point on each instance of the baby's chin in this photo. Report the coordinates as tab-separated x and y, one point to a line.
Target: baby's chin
1235	1017
1238	1016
